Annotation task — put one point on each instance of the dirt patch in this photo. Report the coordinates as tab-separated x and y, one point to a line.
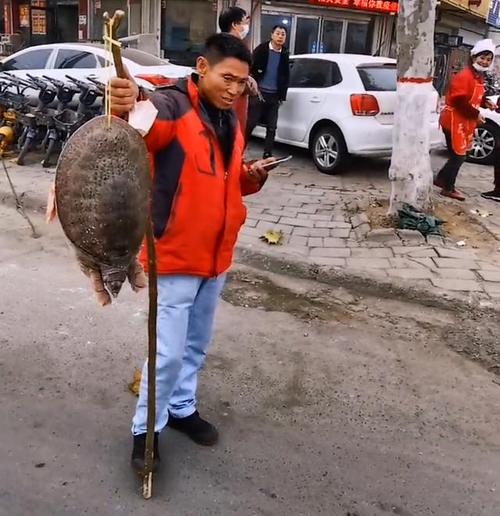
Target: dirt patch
252	291
460	224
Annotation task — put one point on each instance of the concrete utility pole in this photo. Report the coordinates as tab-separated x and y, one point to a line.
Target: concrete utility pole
410	171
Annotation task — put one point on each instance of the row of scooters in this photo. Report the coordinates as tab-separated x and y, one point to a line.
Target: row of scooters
45	122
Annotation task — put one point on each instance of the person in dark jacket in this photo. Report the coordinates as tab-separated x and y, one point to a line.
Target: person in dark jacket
271	70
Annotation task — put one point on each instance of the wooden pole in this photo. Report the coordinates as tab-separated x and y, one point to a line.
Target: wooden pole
147	483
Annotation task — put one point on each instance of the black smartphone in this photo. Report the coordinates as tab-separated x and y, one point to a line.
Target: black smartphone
277	161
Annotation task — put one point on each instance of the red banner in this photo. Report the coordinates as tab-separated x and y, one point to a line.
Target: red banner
378	6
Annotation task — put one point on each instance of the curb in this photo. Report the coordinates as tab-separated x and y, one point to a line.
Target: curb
361	284
364	285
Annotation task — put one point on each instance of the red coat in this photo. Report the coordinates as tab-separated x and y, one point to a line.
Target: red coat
460	115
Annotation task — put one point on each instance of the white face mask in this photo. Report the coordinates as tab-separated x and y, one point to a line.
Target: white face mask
245	31
480	68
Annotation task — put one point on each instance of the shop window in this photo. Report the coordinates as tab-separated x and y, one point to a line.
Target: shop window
306	36
332	36
32	60
357	38
269	21
314	73
186	24
75	59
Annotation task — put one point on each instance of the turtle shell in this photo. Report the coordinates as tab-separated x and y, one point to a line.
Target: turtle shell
102	191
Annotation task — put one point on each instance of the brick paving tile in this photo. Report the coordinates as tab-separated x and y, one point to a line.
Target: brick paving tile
457	285
408	235
331	252
264	226
269	218
298	241
492	276
300	223
369	263
332	262
456	274
340	232
315	242
381	252
405	263
410	274
251	223
311	232
453	263
492	288
327	224
460	254
334	242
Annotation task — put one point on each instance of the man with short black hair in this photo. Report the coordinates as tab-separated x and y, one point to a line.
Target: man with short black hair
270	68
235	21
198	181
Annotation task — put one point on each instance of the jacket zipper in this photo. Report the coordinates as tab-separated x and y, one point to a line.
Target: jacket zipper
220	237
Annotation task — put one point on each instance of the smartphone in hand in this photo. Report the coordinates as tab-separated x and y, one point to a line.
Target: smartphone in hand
278	161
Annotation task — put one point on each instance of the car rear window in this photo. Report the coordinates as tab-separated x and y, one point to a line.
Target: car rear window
142	58
378	77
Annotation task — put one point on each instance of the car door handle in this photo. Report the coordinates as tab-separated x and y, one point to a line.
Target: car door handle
315	100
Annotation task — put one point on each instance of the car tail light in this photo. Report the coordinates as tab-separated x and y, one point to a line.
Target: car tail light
157	79
364	105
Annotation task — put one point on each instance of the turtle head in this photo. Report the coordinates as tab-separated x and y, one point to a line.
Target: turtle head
113	278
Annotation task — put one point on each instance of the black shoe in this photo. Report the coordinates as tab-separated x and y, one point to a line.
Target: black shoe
267	155
196	428
494	195
140	449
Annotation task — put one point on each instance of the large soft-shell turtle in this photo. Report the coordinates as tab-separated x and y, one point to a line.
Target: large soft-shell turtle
102	195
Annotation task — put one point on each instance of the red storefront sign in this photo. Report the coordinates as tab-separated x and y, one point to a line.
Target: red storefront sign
378	6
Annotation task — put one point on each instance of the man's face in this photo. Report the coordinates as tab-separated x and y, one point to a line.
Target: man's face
278	37
222	83
242	28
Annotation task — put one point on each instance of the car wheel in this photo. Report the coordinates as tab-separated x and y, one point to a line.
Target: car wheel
484	143
328	150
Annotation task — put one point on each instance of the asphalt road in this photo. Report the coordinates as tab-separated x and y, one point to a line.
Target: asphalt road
327	403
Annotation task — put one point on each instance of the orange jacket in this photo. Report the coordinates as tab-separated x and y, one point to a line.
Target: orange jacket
197	205
460	115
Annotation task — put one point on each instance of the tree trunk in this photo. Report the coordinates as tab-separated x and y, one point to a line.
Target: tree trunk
410	171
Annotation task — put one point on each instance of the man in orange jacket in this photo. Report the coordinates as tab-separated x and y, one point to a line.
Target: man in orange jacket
199	178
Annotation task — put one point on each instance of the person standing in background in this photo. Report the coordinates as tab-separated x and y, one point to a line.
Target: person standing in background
271	70
461	115
235	21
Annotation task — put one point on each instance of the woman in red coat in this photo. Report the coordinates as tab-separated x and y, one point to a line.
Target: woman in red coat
461	115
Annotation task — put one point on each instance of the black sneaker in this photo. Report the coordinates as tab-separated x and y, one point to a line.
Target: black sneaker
140	449
493	195
196	428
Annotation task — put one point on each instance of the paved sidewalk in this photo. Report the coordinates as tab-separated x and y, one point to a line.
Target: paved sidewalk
327	232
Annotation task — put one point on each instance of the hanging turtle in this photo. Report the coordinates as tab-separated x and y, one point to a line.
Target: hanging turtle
102	196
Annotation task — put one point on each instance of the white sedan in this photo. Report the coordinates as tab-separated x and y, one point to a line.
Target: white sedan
81	60
340	105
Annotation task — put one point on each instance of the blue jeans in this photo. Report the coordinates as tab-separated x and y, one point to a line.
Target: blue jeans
186	309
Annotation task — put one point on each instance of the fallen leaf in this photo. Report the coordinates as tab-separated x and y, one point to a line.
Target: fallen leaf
272	237
462	243
136	384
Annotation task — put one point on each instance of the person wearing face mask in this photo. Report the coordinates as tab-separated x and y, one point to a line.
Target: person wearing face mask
461	115
235	21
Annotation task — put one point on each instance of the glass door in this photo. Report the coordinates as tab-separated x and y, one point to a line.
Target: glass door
331	36
306	35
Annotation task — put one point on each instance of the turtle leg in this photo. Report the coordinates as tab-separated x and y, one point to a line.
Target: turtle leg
136	276
101	294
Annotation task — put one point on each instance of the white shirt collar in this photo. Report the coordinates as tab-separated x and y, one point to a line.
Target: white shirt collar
272	48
